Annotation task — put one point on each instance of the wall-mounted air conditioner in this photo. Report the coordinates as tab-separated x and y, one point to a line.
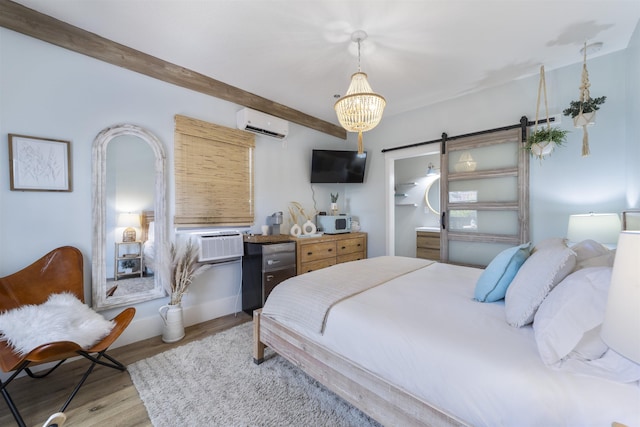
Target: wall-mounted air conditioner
261	123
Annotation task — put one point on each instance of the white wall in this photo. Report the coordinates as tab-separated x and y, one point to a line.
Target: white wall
49	92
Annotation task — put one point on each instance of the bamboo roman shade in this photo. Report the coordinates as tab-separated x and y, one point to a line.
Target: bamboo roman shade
213	174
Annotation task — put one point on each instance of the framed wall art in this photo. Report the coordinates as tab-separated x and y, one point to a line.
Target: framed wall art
39	164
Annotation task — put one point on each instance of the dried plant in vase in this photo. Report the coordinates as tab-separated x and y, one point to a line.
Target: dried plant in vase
308	227
334	203
184	268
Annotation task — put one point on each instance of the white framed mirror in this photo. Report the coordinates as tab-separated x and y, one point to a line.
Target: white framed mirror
111	286
432	194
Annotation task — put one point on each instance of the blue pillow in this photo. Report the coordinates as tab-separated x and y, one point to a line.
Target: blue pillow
496	278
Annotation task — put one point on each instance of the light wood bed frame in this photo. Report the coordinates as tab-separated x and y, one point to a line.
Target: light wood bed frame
381	400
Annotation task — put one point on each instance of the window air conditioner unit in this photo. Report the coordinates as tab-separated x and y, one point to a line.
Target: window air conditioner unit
261	123
219	246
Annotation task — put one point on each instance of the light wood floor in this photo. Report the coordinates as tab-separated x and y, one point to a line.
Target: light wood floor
108	397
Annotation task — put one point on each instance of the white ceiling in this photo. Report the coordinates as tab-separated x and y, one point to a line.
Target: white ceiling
299	53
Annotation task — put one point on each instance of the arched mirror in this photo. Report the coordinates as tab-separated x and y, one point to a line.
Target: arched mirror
129	217
432	194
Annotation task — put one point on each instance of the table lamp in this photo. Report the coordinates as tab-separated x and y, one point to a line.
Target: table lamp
129	220
601	227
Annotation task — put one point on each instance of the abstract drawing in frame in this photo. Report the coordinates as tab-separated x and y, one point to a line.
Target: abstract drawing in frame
39	164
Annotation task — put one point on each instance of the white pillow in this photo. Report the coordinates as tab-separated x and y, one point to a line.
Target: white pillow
549	243
569	319
567	328
590	253
151	231
63	317
611	366
543	270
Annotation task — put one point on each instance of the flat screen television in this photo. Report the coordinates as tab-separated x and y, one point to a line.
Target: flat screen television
337	167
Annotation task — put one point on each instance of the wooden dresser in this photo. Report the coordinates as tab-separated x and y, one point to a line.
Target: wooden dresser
428	245
314	253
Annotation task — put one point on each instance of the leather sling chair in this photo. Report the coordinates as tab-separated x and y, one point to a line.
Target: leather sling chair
61	270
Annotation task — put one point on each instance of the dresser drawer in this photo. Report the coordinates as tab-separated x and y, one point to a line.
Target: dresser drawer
430	240
317	251
316	265
314	253
351	257
349	246
433	254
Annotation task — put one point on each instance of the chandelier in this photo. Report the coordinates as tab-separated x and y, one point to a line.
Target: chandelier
360	109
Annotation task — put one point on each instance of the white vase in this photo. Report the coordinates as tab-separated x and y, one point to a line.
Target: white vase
309	227
584	119
295	230
541	149
334	209
173	323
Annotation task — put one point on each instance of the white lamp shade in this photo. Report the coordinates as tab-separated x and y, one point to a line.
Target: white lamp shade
129	220
621	327
603	227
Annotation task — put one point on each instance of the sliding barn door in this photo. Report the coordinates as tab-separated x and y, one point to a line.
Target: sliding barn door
484	195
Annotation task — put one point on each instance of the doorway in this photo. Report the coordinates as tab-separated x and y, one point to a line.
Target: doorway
408	175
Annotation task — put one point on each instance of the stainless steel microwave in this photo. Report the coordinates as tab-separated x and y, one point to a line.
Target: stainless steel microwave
334	224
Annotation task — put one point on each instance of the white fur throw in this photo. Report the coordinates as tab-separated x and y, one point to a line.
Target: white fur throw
62	318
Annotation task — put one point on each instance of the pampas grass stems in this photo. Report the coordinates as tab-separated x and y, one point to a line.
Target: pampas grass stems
184	268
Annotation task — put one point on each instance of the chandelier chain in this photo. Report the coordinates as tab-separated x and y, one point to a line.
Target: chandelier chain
359	54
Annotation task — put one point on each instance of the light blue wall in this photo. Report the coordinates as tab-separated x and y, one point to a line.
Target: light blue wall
633	120
49	92
565	183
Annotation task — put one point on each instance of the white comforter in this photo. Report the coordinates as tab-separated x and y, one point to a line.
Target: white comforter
424	332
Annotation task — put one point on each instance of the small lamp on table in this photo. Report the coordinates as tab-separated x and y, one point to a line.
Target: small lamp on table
129	220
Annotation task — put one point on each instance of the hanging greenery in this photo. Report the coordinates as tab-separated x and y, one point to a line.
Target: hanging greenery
541	136
588	106
541	142
583	110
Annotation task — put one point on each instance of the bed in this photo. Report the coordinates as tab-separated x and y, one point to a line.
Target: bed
148	241
417	342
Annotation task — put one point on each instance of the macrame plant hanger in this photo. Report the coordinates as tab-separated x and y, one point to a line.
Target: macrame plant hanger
542	90
584	97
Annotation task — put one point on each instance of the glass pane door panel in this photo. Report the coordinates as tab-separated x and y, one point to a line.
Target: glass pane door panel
503	189
491	222
497	156
475	253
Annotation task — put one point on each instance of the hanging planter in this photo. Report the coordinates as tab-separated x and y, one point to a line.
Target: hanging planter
541	142
583	111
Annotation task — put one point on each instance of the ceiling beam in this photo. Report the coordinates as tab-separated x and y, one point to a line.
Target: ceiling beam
21	19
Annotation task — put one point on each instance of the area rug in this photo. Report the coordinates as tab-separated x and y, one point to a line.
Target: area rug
214	382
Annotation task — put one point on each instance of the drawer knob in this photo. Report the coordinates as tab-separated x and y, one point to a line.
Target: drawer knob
309	253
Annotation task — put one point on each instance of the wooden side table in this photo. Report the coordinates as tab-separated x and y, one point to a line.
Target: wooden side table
128	260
